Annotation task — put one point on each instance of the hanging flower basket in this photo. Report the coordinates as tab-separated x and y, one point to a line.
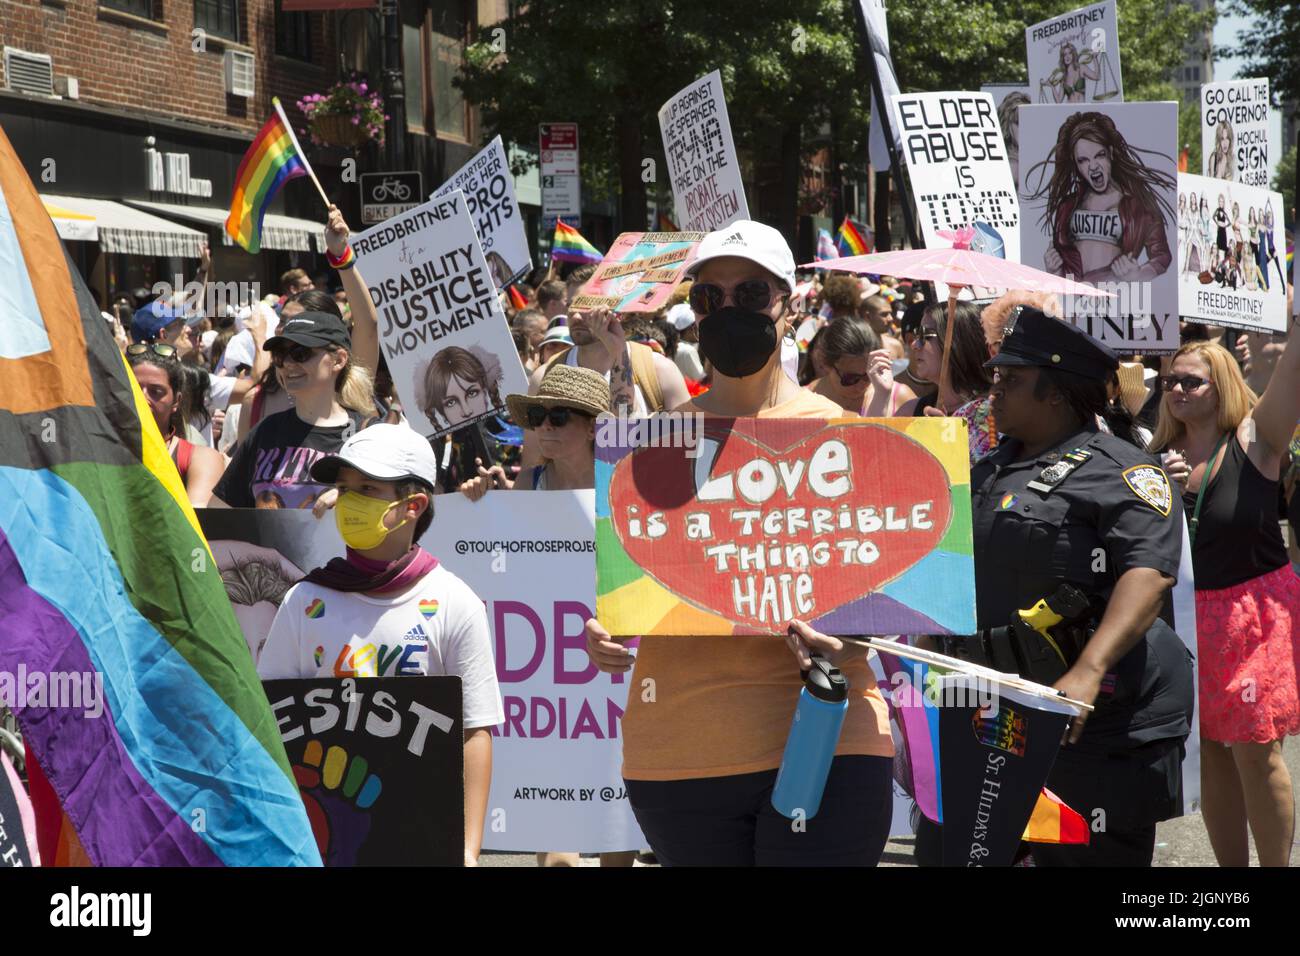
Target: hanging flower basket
347	115
337	130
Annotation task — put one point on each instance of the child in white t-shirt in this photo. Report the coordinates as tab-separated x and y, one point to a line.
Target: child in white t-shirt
389	608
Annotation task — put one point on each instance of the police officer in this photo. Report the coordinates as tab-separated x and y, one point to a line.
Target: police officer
1060	501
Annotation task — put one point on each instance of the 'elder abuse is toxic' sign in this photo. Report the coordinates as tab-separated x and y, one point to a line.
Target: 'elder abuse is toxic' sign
858	526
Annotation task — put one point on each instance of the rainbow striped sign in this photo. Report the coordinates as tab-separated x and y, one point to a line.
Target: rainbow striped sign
738	526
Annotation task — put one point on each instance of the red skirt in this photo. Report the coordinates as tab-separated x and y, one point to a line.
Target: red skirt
1248	639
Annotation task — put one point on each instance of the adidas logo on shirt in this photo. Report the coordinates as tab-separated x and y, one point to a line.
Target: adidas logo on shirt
416	633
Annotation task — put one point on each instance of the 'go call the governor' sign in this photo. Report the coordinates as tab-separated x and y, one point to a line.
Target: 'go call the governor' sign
738	526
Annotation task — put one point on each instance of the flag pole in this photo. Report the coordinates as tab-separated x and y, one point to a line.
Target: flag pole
275	101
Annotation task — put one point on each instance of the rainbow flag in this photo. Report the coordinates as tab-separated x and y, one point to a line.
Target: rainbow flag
517	300
917	720
151	737
851	242
1054	822
569	246
273	158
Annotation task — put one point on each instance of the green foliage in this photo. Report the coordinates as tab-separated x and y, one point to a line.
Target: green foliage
787	65
1271	44
1284	182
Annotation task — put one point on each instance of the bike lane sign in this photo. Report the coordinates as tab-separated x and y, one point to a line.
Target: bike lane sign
384	195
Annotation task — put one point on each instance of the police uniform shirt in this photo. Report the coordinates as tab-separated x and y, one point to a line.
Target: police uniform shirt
1109	509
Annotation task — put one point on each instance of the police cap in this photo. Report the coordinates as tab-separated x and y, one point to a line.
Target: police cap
1035	339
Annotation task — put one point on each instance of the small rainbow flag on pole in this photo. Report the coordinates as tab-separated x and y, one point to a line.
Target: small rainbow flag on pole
1054	822
569	246
274	158
851	241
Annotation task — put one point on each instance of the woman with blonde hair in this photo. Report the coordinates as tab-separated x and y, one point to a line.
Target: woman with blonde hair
1227	448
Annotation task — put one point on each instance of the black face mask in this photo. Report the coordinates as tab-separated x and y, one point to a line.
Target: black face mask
736	341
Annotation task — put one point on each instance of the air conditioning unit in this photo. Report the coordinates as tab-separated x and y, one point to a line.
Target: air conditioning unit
67	86
239	73
29	72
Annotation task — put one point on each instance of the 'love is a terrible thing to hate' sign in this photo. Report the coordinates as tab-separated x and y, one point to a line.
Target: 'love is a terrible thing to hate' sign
858	526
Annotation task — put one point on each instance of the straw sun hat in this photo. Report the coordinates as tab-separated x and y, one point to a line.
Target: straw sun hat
1133	389
563	386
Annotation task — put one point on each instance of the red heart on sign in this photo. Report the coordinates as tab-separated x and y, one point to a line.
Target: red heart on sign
860	504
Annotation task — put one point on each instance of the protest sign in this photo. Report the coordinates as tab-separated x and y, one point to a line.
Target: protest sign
737	526
559	174
1106	216
489	190
556	774
17	823
1074	58
1234	131
1007	100
446	340
997	750
380	765
260	554
707	189
1231	270
952	144
640	272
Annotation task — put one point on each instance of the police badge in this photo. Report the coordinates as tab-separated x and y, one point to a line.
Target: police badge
1150	485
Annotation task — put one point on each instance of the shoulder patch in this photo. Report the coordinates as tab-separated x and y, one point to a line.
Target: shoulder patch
1151	485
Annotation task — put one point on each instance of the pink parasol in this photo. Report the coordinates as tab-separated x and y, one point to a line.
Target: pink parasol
958	266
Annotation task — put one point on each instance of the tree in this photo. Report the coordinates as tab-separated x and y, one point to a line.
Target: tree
1284	182
795	74
1271	46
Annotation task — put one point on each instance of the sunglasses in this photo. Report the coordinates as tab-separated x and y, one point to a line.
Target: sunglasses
161	349
1189	383
753	295
849	379
925	335
558	417
299	354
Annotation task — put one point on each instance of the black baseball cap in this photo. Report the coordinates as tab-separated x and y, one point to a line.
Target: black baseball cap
1034	338
312	329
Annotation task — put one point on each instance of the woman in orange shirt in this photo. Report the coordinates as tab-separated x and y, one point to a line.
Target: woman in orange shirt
707	717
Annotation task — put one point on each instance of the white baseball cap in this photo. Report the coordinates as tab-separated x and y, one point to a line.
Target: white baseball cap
384	452
750	240
681	316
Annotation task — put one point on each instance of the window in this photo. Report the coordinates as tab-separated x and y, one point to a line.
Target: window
450	26
292	34
1196	73
413	71
141	8
220	18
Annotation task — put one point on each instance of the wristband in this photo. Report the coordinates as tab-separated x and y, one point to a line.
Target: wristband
345	261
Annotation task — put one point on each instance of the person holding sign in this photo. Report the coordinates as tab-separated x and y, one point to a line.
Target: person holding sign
707	717
1078	524
389	608
1229	450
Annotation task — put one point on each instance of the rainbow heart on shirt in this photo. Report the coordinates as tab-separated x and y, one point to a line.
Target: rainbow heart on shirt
319	654
315	609
428	609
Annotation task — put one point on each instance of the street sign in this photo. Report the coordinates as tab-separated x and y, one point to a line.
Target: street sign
384	195
561	187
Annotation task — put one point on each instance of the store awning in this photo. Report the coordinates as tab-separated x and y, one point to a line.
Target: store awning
130	231
72	225
278	232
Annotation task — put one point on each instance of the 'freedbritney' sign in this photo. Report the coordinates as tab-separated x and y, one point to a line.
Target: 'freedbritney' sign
446	340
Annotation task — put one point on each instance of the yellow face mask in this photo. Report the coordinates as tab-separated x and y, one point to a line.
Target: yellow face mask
360	519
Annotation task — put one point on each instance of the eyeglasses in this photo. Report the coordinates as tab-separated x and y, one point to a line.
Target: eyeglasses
161	349
753	295
299	354
558	417
1189	383
925	335
848	380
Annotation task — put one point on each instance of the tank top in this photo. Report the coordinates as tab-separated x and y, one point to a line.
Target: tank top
1238	537
181	456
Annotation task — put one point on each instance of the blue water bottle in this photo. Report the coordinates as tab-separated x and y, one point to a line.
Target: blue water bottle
814	735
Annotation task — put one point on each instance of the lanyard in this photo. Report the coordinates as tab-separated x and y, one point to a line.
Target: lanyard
1205	483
